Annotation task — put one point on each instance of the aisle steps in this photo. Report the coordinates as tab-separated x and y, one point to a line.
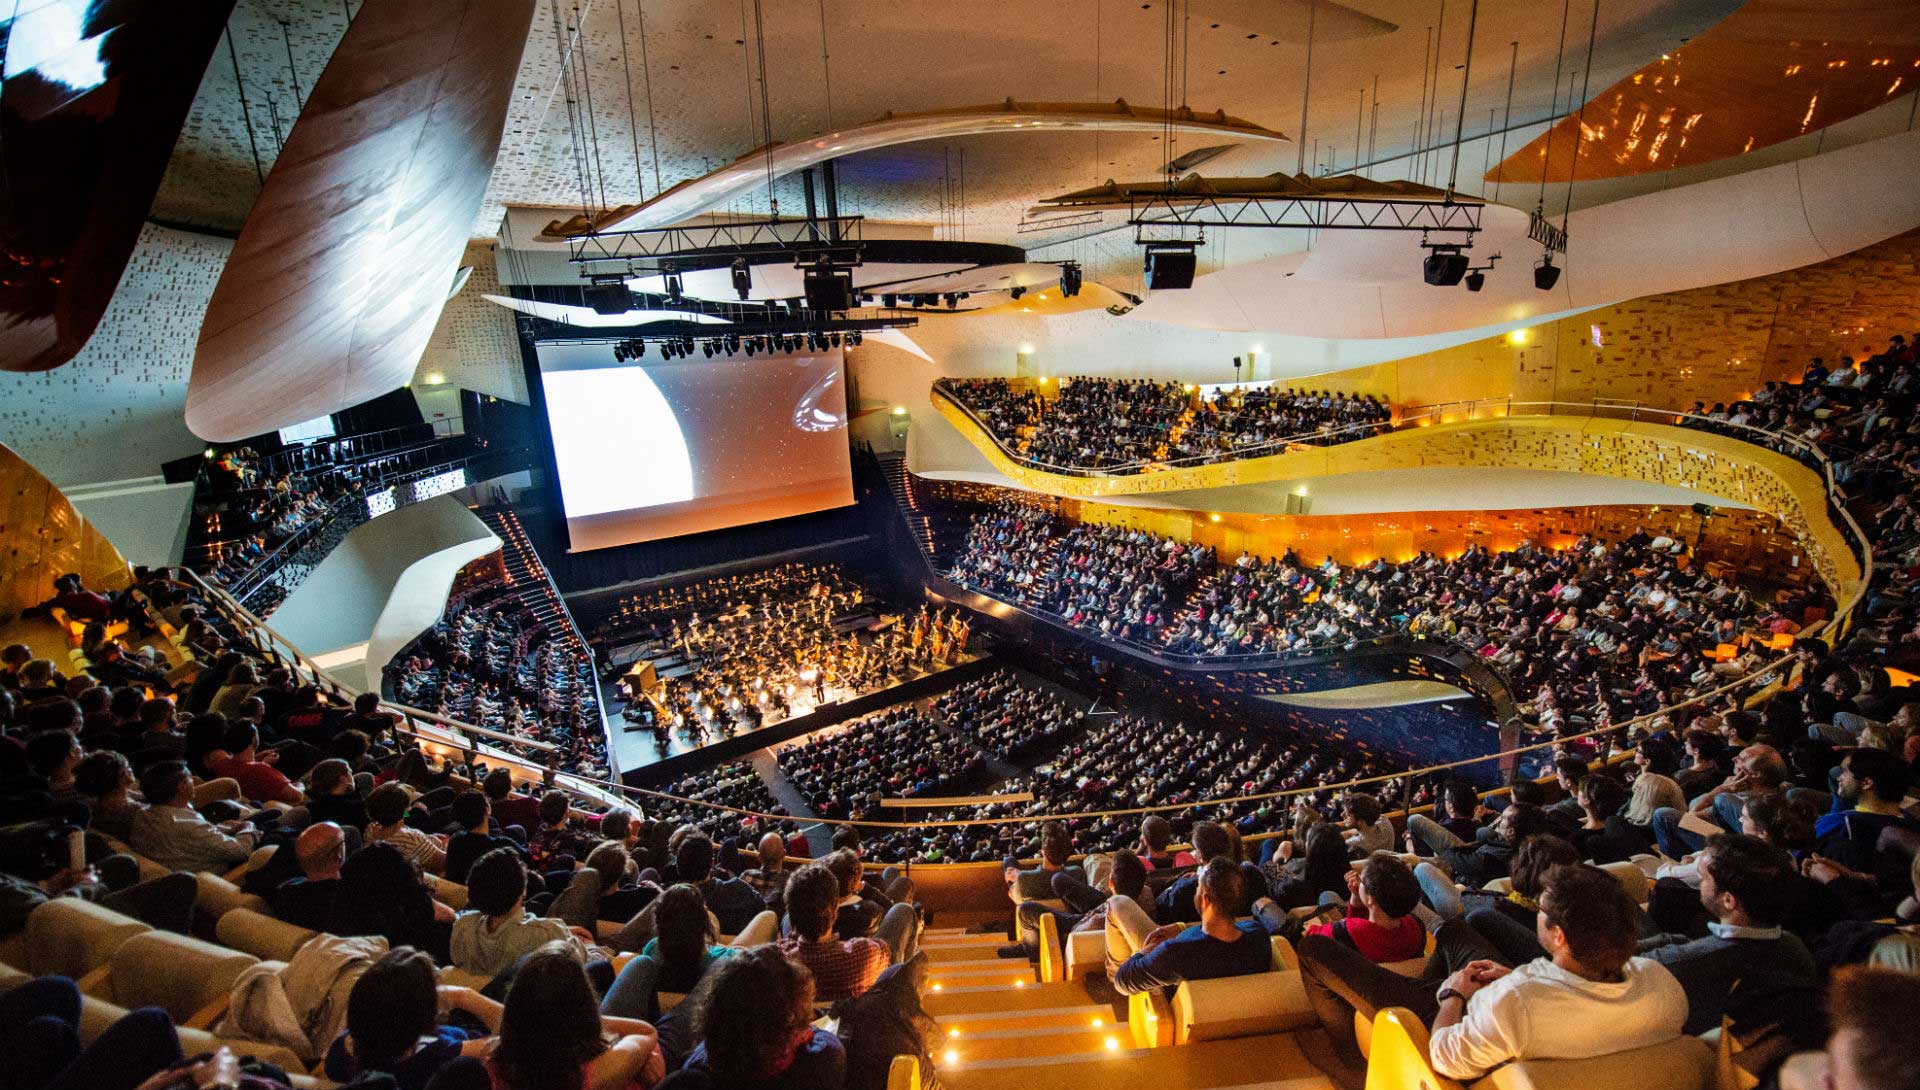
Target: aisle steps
1001	1029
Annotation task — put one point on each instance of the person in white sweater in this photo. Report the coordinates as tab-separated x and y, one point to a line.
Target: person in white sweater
1589	997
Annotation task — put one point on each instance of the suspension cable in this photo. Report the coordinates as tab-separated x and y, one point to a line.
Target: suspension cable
1553	106
1513	64
646	74
1580	119
633	121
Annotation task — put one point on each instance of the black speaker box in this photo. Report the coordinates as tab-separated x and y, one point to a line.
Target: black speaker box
608	298
829	289
1169	269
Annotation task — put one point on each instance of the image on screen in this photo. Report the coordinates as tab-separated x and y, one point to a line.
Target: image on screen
659	448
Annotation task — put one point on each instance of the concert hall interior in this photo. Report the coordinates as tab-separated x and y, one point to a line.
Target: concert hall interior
1162	545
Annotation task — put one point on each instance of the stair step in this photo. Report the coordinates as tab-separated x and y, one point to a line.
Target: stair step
1209	1065
961	1047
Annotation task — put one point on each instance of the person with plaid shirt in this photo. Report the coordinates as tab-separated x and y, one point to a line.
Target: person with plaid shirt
841	967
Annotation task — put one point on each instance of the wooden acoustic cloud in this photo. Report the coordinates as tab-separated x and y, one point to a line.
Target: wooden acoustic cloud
92	100
1771	71
42	538
711	190
339	275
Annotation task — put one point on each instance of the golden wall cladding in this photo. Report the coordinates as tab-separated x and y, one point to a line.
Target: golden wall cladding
42	537
1707	344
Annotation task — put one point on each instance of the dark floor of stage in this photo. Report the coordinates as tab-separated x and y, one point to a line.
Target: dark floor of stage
637	748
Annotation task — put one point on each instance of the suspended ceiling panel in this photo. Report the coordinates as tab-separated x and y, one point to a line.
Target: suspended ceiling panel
1771	71
339	275
92	97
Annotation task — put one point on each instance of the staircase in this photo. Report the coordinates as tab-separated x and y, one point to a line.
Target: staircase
1002	1029
939	533
527	578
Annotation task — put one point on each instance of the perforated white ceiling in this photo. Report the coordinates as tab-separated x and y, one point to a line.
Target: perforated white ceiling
701	63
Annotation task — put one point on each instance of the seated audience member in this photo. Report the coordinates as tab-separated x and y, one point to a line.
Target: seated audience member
173	834
1745	885
769	877
1756	768
551	1027
394	1026
105	782
754	1020
496	930
387	808
335	797
472	814
1301	877
307	900
1120	875
1604	835
733	902
1871	1045
1178	903
510	809
1871	785
1156	838
1474	865
1379	921
684	947
558	843
840	967
1162	957
381	894
40	1031
1589	997
1036	884
1365	825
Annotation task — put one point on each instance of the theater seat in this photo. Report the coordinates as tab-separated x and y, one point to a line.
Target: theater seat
1243	1006
189	979
70	937
261	935
217	897
1398	1059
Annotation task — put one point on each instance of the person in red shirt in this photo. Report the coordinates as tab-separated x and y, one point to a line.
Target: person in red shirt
1380	923
509	808
258	779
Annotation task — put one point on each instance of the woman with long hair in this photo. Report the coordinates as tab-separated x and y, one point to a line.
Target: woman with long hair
1322	868
684	947
381	894
553	1037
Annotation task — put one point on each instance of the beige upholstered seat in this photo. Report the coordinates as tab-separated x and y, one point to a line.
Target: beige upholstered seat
1398	1059
260	935
1243	1006
189	979
216	898
70	937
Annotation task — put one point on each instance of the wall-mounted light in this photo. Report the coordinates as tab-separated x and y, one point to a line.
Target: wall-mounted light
1519	337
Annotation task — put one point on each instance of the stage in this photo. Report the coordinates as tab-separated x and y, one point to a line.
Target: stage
642	763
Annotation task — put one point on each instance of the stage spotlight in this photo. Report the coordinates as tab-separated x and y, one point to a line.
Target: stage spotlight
836	340
707	347
742	278
1546	274
1016	292
1445	266
1475	280
619	353
1069	279
888	300
953	300
854	338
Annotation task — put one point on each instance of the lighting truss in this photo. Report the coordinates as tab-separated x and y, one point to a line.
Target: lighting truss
1541	229
838	237
1314	213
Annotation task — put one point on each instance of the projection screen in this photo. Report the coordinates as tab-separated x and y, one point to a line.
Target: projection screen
659	448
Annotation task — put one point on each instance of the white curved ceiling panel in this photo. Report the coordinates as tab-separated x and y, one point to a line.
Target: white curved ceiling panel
338	277
1712	232
697	195
786	281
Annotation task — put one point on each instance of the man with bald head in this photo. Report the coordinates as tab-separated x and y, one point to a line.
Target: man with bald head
769	879
307	901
